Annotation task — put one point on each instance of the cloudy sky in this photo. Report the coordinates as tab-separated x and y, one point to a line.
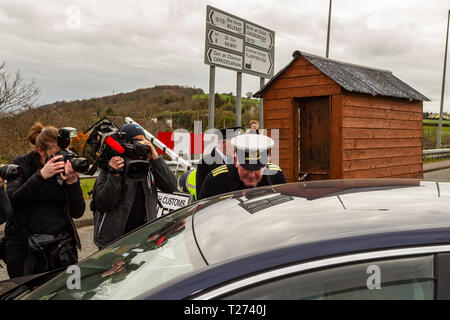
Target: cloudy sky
83	49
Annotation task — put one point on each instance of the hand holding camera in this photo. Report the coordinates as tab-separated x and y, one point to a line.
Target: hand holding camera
70	176
116	163
52	167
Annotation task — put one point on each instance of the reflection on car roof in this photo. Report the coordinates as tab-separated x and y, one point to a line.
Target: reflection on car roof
251	220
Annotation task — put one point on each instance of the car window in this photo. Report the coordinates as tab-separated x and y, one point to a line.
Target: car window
148	257
397	279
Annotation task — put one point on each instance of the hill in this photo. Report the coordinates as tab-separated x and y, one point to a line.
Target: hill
154	108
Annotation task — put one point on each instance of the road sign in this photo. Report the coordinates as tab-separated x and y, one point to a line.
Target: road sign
225	21
172	201
259	37
225	41
225	59
258	61
237	44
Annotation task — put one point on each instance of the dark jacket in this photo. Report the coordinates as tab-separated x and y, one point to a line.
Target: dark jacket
5	207
39	204
226	179
209	163
113	199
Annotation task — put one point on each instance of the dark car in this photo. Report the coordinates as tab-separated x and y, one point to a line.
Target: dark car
335	239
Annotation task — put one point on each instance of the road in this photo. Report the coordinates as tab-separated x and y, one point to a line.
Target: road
87	248
441	175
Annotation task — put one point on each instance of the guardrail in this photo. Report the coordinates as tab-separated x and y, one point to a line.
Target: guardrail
436	154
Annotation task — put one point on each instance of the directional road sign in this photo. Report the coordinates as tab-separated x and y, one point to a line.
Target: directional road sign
237	44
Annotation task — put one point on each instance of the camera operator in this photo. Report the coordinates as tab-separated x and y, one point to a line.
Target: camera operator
122	204
40	234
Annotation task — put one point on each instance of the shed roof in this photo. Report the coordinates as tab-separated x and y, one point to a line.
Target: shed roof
356	78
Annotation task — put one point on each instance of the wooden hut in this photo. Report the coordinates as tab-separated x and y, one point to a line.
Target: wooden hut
340	120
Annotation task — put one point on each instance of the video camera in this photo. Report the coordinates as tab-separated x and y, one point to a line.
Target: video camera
80	165
9	172
106	141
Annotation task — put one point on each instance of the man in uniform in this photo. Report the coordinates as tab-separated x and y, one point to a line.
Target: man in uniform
250	168
220	155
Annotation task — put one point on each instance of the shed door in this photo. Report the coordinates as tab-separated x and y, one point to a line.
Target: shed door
315	127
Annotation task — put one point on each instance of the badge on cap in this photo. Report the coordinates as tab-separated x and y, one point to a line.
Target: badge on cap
252	150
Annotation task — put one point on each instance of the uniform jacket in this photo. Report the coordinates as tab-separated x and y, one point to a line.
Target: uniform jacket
226	179
113	199
209	162
39	204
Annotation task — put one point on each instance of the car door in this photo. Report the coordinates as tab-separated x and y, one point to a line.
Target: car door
398	274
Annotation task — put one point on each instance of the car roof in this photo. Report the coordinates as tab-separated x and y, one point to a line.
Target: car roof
261	219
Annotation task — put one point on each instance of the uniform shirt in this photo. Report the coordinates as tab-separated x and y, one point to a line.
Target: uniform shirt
226	179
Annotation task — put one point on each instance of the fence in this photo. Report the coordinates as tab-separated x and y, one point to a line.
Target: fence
436	154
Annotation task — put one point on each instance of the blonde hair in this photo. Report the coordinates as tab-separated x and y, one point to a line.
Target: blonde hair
42	137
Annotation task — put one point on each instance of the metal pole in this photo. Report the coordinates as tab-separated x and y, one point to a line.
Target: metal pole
328	33
238	98
212	90
438	143
261	105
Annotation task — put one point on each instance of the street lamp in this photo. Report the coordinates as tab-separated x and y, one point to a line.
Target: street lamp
328	33
438	143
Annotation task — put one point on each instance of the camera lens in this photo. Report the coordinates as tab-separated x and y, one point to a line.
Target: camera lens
9	172
80	164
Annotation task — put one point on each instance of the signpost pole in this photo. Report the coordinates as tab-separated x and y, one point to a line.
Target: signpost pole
212	90
238	98
261	105
438	143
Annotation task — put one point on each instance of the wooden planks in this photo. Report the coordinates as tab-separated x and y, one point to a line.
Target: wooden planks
381	137
385	172
312	91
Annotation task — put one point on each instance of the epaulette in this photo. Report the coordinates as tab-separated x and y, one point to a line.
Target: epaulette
219	170
273	167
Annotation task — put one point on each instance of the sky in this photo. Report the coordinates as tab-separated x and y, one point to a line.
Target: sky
84	49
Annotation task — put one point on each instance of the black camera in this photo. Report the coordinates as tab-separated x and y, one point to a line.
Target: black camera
78	164
106	141
9	172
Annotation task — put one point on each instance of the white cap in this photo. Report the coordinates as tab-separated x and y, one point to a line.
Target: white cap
252	142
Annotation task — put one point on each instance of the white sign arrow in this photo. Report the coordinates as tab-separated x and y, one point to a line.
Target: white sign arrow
226	41
258	36
225	59
226	22
257	60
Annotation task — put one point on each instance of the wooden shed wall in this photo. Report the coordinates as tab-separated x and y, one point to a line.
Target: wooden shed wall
381	137
301	79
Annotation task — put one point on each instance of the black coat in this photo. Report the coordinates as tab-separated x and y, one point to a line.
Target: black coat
226	179
209	163
5	207
39	204
114	196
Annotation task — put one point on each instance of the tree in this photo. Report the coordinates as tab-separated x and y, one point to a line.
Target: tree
16	94
249	94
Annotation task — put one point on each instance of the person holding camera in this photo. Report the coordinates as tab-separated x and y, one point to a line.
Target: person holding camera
5	206
121	203
45	197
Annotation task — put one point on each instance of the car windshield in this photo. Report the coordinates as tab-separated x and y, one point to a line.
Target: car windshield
139	262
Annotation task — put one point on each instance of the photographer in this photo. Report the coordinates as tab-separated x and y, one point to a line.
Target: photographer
40	234
122	204
5	207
